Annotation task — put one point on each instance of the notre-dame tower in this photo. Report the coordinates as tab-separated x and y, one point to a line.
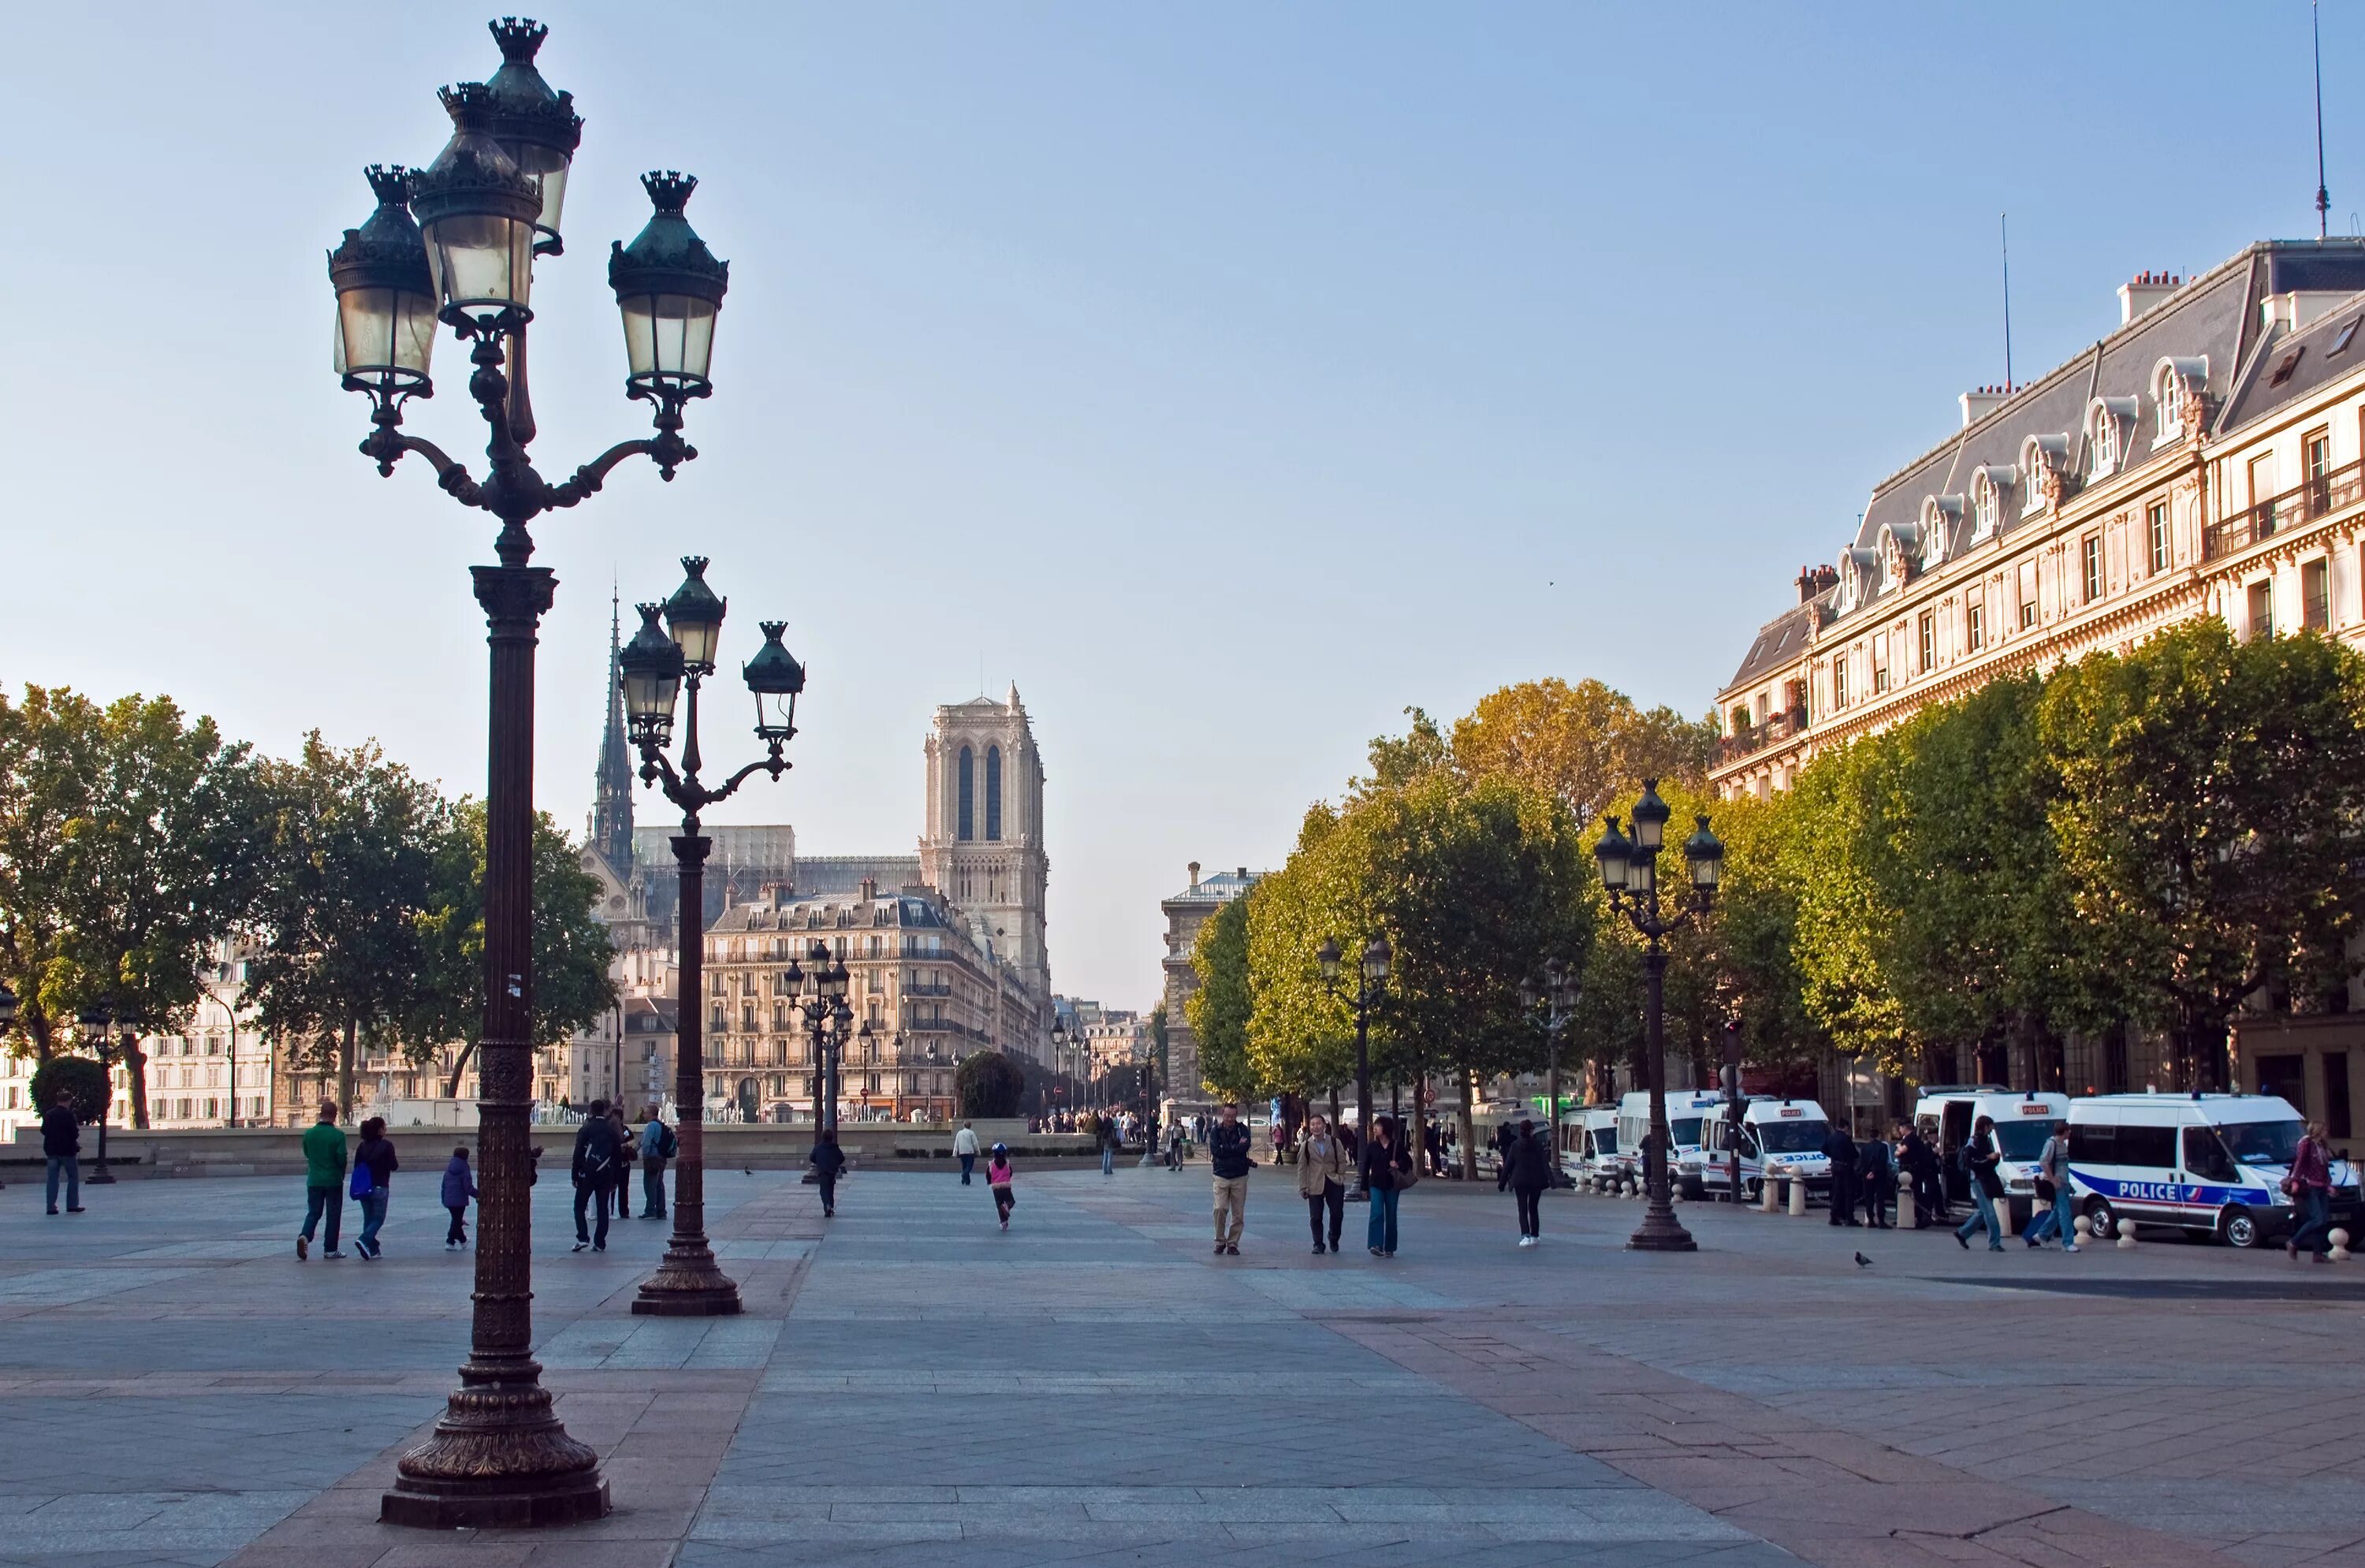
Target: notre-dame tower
983	845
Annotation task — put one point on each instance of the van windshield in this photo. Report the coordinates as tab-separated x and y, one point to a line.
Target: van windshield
2023	1140
1685	1130
1793	1138
2262	1143
1605	1140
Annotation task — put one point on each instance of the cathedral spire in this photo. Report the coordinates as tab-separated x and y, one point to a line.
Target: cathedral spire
611	800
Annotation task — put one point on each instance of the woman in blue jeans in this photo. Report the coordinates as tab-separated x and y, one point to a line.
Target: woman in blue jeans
1379	1181
376	1152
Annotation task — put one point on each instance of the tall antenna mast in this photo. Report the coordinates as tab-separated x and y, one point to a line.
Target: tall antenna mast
2323	196
2003	231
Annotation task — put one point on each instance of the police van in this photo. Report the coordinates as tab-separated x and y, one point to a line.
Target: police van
1945	1115
1588	1147
1688	1110
2213	1164
1785	1133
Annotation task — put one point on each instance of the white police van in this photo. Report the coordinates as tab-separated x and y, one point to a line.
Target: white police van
1688	1110
1787	1133
2213	1164
1947	1114
1588	1146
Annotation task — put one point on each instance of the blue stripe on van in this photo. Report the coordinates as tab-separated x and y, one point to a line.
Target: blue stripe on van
2188	1194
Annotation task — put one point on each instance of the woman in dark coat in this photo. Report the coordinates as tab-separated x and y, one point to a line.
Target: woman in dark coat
1527	1161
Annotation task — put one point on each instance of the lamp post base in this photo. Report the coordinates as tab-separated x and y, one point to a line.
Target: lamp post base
1661	1232
499	1459
688	1284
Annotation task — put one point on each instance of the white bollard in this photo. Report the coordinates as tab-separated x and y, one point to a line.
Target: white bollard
1797	1195
2126	1235
1767	1196
2339	1239
2084	1225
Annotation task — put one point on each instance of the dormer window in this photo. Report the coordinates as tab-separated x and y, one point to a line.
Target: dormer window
2171	406
2102	444
1988	483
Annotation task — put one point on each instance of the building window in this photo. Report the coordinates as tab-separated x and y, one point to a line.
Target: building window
1880	662
1974	624
2315	594
2171	406
2090	554
2027	595
2262	608
2315	456
2104	450
1839	681
968	826
1929	631
2155	535
1983	507
993	791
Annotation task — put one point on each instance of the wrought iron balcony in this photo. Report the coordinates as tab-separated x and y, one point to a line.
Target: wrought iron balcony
2304	503
1754	738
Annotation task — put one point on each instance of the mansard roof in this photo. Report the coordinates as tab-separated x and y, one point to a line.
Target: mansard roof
1221	888
2216	320
1779	640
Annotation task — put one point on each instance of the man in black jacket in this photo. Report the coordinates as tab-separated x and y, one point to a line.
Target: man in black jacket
594	1175
1528	1161
1920	1162
61	1146
1839	1149
1227	1151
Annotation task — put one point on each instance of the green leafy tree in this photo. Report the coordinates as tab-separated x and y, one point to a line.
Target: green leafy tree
988	1085
1399	760
50	761
1844	915
1217	1011
2210	807
572	989
357	870
77	1082
1585	745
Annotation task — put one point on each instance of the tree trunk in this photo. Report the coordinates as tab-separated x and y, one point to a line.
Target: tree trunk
135	1068
1469	1126
345	1052
459	1066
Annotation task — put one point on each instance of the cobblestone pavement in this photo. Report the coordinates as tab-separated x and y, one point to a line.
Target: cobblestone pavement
1096	1386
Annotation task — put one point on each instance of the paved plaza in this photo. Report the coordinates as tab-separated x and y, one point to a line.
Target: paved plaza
910	1385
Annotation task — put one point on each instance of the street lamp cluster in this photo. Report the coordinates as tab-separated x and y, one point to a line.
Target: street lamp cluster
820	994
654	668
1371	984
1630	871
455	243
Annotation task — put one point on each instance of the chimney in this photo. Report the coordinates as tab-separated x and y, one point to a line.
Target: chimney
869	888
2296	309
1195	876
772	894
1814	581
1981	401
2142	294
1244	873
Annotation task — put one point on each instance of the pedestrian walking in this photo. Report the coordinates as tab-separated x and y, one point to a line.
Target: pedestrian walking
658	1145
2310	1187
594	1169
1227	1151
1529	1159
965	1147
1979	1164
1839	1147
1174	1147
1109	1139
2053	1193
1321	1159
1384	1167
1876	1175
828	1160
1501	1144
459	1189
374	1164
628	1148
324	1180
1920	1162
61	1151
998	1177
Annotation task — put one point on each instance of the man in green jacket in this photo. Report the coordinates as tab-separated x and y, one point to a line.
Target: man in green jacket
324	1180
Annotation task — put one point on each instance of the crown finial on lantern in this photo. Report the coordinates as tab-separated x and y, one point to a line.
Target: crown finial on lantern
519	37
668	189
390	183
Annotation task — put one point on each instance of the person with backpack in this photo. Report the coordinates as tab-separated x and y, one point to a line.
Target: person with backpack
324	1180
62	1150
1109	1139
459	1188
657	1146
628	1148
998	1177
2310	1187
1529	1160
2053	1193
594	1175
1228	1143
965	1149
374	1167
827	1159
1979	1164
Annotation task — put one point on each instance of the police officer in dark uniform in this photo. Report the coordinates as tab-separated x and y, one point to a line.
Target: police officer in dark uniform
1840	1148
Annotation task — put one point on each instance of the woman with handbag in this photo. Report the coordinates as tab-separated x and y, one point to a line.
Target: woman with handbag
1385	1171
2310	1185
373	1167
1320	1160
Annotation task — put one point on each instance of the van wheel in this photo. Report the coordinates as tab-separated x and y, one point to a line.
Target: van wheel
2105	1223
2237	1227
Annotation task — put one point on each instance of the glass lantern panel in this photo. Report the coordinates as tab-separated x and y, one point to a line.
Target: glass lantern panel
481	261
668	334
381	329
774	711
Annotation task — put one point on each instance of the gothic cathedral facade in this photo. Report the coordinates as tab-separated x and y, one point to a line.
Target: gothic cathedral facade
983	845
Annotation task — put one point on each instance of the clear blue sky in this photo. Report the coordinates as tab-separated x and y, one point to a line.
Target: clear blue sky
1228	376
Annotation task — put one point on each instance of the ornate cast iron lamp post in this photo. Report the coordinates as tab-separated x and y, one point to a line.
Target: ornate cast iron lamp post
98	1026
1552	1004
455	242
821	996
1629	870
1371	982
655	665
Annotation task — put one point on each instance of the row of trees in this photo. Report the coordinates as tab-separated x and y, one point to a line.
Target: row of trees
134	841
2140	842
